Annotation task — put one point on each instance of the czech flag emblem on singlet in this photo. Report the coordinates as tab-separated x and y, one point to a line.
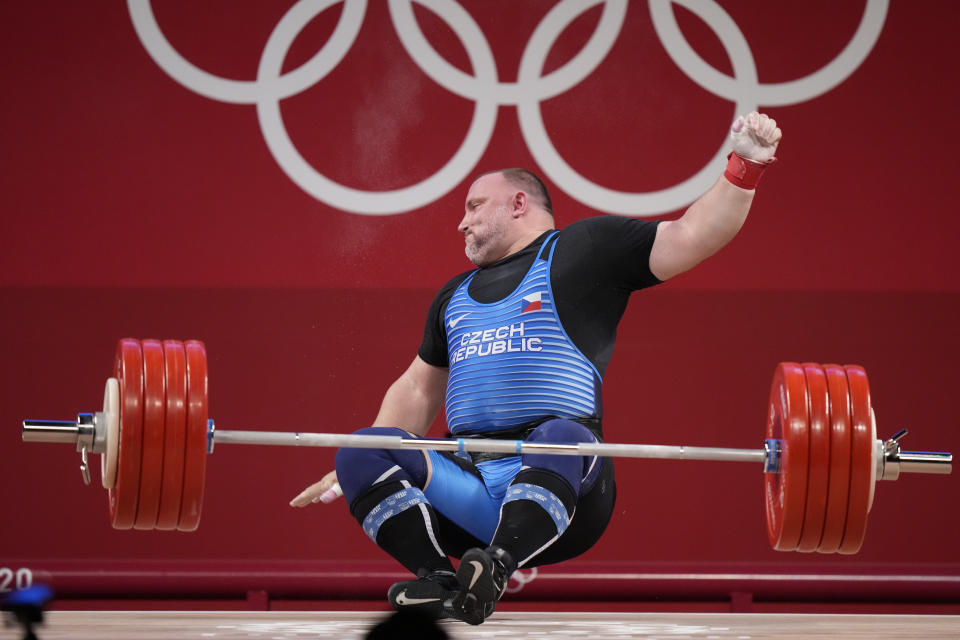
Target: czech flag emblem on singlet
530	302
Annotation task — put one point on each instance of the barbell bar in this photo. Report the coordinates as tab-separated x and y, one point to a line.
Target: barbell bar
820	457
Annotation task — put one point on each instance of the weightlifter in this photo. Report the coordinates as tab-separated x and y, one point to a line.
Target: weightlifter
517	349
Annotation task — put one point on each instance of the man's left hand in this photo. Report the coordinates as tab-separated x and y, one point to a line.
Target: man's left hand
755	137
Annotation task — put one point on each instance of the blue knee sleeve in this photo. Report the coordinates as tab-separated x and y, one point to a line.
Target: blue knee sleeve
359	469
579	471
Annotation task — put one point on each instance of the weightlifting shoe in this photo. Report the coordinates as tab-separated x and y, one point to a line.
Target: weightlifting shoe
483	575
431	594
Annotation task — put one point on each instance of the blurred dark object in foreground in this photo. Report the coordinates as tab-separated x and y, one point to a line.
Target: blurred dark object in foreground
25	608
407	624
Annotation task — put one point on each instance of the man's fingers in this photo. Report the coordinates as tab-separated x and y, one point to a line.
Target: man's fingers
767	125
331	494
755	136
759	127
304	498
318	492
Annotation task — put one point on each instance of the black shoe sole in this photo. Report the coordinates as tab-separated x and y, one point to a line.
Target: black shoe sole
478	593
429	599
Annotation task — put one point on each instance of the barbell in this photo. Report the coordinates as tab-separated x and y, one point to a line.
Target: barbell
821	457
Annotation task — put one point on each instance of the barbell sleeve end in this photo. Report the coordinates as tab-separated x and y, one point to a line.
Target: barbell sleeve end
934	462
894	461
50	431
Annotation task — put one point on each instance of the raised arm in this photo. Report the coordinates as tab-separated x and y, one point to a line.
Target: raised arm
715	218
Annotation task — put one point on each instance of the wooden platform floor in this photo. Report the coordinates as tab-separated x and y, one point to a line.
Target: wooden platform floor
282	625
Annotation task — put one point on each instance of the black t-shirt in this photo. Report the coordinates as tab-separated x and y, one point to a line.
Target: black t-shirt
597	263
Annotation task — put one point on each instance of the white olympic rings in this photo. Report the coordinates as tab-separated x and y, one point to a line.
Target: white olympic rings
484	88
519	579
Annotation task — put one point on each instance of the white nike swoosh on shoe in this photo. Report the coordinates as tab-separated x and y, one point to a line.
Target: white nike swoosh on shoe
403	600
477	570
455	321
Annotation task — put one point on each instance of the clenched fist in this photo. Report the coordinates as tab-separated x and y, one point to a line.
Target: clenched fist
755	137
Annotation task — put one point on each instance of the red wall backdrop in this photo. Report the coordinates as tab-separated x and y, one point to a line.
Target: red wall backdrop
133	205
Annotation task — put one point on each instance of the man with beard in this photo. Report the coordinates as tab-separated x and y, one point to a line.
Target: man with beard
516	349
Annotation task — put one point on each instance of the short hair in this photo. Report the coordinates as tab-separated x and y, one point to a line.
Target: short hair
529	182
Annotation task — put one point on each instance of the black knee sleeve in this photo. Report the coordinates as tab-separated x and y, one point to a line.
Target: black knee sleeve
411	536
528	526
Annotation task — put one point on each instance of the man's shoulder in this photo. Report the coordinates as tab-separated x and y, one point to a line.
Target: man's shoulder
606	224
614	245
605	233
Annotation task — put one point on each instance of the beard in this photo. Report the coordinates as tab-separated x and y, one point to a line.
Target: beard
482	247
474	249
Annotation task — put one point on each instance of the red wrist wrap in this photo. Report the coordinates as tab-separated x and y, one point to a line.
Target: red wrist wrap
745	173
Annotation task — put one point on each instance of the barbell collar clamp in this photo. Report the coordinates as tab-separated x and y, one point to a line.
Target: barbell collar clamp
893	444
771	460
84	467
211	432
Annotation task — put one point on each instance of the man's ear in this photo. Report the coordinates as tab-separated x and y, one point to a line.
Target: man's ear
519	204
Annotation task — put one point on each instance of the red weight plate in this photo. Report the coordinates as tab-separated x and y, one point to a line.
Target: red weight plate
861	460
786	491
818	403
128	370
839	489
175	435
195	455
151	458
